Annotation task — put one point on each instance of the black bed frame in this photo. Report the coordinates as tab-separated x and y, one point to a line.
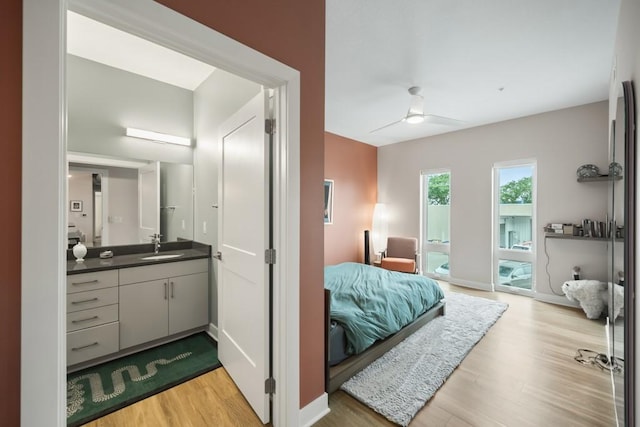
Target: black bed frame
338	374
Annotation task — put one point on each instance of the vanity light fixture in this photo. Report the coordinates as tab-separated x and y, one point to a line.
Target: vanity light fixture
158	137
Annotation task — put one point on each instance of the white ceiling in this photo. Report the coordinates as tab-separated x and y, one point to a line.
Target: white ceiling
476	61
101	43
545	54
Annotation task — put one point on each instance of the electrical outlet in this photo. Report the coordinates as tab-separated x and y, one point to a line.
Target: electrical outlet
184	226
204	227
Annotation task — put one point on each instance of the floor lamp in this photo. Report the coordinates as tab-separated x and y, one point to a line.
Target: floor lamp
379	229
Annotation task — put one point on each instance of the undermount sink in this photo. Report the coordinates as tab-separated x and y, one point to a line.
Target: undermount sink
166	256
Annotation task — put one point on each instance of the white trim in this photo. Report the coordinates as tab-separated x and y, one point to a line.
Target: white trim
468	283
44	222
44	190
286	230
314	411
555	299
213	331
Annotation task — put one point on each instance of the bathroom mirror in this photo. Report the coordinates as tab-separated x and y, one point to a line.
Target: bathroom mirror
106	201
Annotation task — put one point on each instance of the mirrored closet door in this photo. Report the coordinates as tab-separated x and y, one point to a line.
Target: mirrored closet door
621	255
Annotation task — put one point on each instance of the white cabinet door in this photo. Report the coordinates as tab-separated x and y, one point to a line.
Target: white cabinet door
188	302
144	312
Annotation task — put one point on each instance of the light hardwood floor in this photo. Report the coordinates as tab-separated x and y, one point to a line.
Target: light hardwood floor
522	373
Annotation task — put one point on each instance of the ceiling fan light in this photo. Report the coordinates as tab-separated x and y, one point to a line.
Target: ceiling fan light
414	118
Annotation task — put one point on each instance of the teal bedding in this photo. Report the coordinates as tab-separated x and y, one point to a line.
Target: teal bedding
372	303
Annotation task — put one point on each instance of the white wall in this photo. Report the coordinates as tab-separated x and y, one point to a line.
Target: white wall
103	101
559	141
216	99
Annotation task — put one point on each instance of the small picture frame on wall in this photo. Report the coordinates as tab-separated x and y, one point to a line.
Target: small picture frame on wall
328	201
76	205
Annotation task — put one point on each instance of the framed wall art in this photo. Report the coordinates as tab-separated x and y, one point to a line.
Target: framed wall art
328	201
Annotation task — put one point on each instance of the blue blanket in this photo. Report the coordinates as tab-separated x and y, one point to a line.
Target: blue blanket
372	303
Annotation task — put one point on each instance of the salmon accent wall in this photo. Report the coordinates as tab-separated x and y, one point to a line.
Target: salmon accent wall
10	188
292	32
353	166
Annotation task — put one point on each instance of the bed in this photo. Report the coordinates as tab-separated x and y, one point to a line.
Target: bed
369	310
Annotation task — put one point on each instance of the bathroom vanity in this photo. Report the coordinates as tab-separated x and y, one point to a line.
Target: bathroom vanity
135	300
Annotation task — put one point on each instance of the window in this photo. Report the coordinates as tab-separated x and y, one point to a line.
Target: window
435	222
514	226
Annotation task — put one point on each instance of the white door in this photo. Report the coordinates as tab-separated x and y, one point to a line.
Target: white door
148	201
243	237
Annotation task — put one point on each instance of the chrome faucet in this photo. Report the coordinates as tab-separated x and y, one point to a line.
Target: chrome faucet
155	239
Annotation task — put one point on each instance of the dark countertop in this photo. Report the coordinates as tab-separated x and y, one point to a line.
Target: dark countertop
131	256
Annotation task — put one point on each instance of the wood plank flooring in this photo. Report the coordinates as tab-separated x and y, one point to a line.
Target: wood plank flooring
209	400
522	373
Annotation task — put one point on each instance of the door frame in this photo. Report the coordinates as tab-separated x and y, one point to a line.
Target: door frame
44	174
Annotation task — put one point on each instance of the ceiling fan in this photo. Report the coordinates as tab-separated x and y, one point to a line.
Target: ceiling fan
415	114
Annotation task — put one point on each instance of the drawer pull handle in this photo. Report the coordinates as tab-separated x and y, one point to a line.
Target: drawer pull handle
84	320
84	300
84	283
172	289
93	344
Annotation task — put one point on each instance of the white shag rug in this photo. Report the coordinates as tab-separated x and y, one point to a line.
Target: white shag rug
399	384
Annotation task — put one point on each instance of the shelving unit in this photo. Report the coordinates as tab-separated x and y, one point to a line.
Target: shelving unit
600	178
570	237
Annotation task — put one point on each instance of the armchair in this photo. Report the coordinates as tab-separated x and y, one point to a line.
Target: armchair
401	254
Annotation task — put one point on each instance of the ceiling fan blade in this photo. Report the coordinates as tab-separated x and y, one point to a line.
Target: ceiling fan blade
439	120
387	125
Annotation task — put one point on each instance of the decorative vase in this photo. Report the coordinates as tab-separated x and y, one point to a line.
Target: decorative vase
79	251
615	169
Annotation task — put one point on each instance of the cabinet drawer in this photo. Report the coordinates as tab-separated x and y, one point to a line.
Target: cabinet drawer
93	342
93	317
90	281
91	299
163	271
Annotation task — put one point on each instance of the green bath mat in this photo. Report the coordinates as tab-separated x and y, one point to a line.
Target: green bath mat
102	389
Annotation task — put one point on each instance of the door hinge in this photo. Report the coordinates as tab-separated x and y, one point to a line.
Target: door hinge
270	386
270	256
270	126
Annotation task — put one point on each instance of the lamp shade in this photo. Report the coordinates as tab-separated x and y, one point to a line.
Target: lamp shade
379	229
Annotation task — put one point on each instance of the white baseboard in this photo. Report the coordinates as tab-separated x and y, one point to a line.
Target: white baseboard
213	331
470	284
539	296
555	299
314	411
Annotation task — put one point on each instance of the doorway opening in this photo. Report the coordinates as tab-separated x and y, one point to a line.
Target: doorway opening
44	116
